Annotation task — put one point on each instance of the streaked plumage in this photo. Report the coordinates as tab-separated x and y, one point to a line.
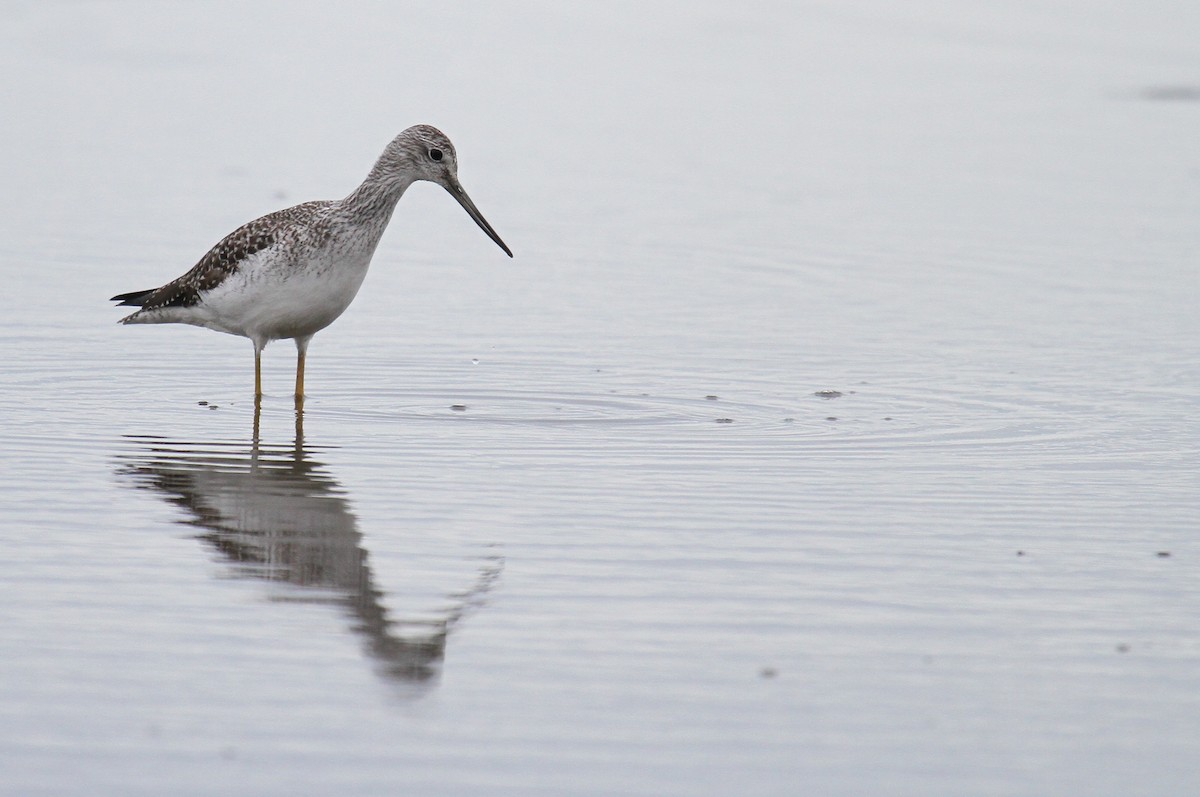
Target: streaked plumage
291	273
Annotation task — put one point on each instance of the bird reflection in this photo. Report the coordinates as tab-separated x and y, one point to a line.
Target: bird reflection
276	514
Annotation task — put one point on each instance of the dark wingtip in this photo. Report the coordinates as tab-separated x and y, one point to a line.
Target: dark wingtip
133	299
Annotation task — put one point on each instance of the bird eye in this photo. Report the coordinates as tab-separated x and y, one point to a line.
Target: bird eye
435	154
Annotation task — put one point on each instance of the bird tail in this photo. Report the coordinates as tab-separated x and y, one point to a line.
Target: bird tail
134	299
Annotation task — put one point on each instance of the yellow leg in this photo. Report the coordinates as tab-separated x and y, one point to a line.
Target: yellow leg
257	391
301	351
257	373
300	375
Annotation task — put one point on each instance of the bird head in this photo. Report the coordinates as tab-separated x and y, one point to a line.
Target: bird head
423	152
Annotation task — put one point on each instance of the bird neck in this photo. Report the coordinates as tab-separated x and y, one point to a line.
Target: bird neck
376	198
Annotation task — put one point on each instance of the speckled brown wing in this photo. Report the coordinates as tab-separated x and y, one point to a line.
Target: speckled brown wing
224	259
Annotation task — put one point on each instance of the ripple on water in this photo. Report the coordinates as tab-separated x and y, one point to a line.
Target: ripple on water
868	419
536	409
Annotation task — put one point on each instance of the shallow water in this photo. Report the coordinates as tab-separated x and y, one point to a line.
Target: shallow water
833	431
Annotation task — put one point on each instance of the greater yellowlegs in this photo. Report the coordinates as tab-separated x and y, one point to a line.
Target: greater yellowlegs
290	273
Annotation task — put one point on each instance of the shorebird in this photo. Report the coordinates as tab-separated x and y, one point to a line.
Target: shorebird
291	273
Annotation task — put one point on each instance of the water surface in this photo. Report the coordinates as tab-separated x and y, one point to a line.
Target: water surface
833	430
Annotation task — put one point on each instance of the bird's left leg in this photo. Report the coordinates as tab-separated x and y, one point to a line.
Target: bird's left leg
301	351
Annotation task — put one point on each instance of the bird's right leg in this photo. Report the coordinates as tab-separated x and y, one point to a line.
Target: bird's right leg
258	347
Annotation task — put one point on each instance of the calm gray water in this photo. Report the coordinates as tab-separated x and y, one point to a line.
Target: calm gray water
834	430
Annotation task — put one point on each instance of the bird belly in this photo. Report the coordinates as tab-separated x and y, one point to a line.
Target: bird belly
286	302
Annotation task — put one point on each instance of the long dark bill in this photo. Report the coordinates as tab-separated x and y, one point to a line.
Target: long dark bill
458	192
